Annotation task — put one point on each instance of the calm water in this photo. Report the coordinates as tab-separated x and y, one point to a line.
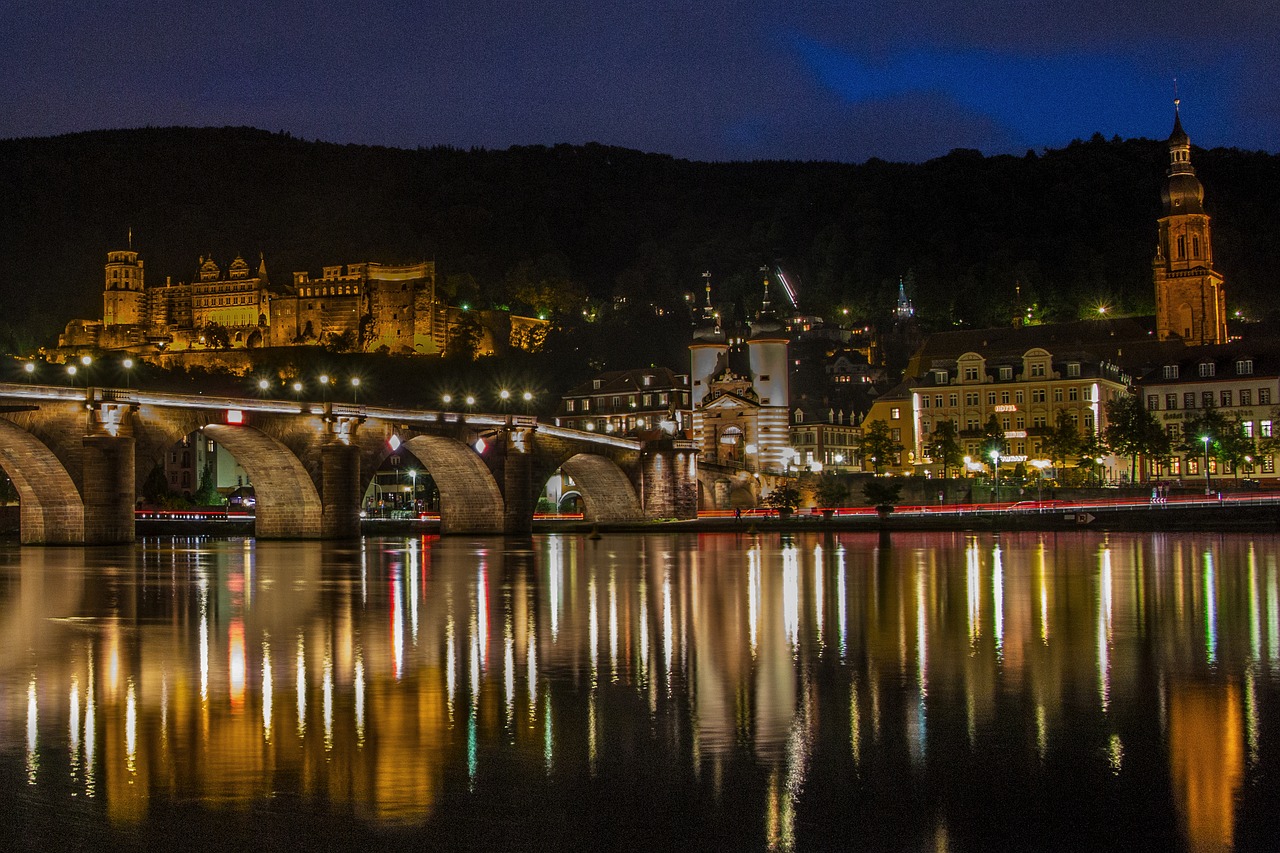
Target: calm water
926	692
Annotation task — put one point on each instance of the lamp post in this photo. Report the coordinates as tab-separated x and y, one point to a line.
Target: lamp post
1208	490
355	390
1039	465
324	387
413	499
297	392
995	467
30	368
127	364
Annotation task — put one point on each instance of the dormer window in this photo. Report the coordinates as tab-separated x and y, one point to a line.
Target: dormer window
1073	369
940	377
1206	368
971	374
1006	373
1171	371
1244	367
1037	368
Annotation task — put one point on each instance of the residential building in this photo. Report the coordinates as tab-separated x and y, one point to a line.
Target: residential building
628	402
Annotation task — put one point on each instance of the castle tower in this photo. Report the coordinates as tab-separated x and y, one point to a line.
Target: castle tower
707	352
1190	301
767	349
124	296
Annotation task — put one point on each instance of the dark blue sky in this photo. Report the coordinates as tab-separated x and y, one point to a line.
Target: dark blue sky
709	80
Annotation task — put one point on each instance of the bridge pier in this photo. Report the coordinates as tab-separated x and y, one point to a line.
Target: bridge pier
340	491
519	500
668	480
108	489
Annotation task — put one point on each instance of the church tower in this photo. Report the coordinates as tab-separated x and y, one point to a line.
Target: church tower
124	296
1190	301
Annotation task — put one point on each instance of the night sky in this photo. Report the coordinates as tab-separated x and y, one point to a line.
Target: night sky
708	80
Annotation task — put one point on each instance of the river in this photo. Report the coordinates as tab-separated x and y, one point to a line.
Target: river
850	691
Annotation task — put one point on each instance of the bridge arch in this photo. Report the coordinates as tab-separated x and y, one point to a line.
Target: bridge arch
52	510
470	500
288	503
607	493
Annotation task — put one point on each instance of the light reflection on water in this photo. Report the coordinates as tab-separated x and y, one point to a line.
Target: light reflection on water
928	691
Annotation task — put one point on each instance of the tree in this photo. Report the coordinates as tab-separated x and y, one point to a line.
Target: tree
993	441
945	447
207	493
465	335
1133	431
1090	449
832	490
877	445
215	336
1227	441
1062	441
155	488
882	492
784	497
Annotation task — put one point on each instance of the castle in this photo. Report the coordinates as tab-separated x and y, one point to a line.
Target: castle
368	307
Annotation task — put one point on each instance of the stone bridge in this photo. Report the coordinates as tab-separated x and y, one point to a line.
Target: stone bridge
77	457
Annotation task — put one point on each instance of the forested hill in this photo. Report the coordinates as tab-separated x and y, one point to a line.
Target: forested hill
1073	226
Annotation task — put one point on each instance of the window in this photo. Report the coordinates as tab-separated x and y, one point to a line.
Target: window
1073	394
1246	397
1264	429
1088	420
1264	396
1037	395
1004	423
971	399
569	405
1037	368
1171	401
953	399
1268	465
1073	369
1171	371
1182	246
1088	394
1246	427
1057	395
1020	422
1019	397
646	400
895	413
937	401
895	434
940	377
991	398
1153	402
1244	367
648	380
1206	368
1189	400
924	401
1037	421
1225	397
971	424
1006	373
586	405
1206	399
971	374
1004	398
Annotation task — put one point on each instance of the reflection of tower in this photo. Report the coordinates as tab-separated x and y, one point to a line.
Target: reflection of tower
767	351
707	352
1190	302
123	297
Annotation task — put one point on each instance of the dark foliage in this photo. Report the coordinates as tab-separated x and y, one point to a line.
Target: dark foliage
1071	226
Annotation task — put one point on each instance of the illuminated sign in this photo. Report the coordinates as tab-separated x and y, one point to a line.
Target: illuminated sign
1016	433
1006	407
235	416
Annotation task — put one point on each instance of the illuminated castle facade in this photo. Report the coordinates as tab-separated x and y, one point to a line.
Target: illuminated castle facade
368	307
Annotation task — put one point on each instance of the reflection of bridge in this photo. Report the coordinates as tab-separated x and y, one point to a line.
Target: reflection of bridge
76	457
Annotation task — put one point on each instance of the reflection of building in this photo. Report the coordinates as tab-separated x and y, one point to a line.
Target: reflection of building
367	307
741	392
1206	760
624	402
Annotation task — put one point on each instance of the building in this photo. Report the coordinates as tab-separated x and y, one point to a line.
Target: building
1190	302
1240	380
825	440
366	307
628	402
740	391
1024	376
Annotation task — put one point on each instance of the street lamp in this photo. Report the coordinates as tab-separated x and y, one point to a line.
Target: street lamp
1208	490
30	368
127	364
297	391
1040	465
355	389
527	396
324	387
263	385
71	373
413	478
995	466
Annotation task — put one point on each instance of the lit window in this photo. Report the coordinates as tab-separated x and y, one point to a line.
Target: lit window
1206	368
1171	371
1244	367
895	413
